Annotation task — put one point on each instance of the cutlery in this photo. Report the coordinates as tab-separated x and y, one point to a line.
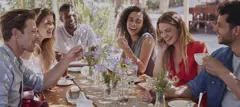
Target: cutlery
199	99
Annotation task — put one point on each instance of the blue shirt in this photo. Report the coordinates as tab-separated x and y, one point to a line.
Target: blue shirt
13	76
213	85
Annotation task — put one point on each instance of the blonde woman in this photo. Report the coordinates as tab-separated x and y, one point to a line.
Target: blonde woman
176	48
43	57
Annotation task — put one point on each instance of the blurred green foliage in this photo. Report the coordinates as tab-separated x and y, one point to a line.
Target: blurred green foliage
100	18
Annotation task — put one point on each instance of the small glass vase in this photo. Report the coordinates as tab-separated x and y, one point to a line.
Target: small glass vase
160	100
107	91
90	73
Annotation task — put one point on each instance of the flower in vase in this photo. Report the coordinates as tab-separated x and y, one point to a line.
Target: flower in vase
128	61
99	68
129	66
163	82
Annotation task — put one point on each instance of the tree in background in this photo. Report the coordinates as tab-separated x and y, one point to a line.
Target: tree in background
100	16
14	4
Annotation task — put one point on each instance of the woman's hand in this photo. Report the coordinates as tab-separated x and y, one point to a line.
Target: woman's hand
123	43
162	46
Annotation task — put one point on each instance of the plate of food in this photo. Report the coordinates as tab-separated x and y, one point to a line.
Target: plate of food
181	103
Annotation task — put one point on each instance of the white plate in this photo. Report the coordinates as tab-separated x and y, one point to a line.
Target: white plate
145	85
133	78
74	69
64	82
78	62
180	103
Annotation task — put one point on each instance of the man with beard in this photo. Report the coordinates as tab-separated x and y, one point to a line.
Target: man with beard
221	75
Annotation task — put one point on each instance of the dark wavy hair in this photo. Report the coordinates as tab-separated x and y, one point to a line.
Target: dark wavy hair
231	8
122	24
15	19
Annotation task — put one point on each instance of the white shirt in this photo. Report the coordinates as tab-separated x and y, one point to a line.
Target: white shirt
34	64
83	35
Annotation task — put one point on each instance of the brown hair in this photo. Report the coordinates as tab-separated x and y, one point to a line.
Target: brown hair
146	27
47	56
184	38
15	19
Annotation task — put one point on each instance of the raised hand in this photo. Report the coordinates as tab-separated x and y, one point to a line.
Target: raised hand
123	43
213	66
76	53
161	46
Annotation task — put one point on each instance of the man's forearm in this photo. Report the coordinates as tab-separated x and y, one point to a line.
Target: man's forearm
231	81
51	77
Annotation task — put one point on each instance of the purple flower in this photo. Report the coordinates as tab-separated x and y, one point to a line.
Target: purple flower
116	60
99	68
128	61
88	54
98	39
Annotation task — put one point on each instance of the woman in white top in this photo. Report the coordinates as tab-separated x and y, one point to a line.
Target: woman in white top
43	57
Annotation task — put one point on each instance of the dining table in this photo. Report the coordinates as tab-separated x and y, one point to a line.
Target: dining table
56	96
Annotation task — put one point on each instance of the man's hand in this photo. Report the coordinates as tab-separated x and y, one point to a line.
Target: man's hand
214	66
75	54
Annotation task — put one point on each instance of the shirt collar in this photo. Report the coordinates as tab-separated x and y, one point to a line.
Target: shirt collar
16	60
67	34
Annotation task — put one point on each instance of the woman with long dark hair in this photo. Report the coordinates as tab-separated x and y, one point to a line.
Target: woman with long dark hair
136	37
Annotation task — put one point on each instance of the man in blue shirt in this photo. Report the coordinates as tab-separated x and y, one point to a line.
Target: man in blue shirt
220	77
20	33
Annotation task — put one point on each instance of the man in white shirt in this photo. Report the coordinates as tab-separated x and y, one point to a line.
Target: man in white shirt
70	33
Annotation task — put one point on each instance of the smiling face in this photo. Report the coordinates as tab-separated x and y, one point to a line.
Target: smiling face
134	23
222	28
29	37
46	27
168	33
69	19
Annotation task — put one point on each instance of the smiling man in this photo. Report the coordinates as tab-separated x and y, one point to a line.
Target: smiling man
70	33
20	33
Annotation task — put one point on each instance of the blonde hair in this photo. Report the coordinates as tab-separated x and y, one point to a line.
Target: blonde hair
184	38
46	51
